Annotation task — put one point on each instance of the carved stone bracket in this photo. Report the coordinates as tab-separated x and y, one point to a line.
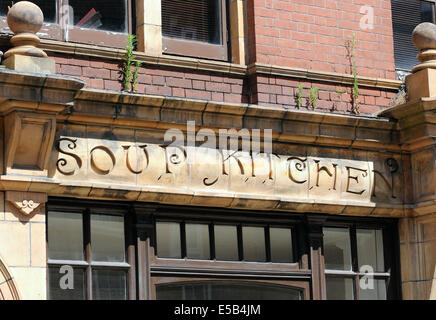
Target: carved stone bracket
29	140
27	203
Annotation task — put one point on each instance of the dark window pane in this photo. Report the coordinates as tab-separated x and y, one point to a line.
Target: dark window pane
226	243
370	248
339	288
107	15
107	238
198	20
406	15
253	239
197	241
48	8
109	285
337	248
281	245
377	292
65	235
60	286
168	240
226	290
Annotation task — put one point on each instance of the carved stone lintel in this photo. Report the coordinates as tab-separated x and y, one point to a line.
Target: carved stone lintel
26	202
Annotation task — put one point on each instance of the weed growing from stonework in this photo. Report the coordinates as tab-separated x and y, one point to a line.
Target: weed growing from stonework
300	95
130	76
313	97
355	104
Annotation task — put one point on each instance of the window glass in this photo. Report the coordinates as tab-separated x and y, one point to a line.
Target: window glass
339	288
373	290
197	241
370	248
107	238
197	20
109	285
168	240
60	287
226	242
65	235
281	244
107	15
226	290
48	8
337	248
406	15
253	239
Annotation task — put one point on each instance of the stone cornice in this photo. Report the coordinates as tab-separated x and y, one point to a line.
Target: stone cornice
159	112
37	88
217	66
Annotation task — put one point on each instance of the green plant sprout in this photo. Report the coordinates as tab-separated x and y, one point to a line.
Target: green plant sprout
300	95
130	77
355	104
313	98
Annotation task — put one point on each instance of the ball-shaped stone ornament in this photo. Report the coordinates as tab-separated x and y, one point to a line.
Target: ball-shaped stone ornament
25	16
424	36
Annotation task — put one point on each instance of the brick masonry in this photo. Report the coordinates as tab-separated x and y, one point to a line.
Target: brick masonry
315	34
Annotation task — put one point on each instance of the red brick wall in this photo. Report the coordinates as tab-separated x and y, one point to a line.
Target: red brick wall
273	91
313	34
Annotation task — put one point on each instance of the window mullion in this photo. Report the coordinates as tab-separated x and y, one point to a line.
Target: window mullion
87	245
354	261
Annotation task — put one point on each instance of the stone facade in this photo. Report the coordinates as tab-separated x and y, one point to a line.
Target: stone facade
75	134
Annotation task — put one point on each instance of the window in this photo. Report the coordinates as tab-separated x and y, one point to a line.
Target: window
195	28
87	248
98	22
224	242
406	15
354	263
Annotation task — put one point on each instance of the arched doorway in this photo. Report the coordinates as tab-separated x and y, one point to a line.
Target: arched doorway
8	288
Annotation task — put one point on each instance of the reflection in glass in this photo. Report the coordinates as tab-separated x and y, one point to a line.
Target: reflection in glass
107	15
65	235
281	244
370	248
197	241
68	292
109	285
377	292
339	288
48	8
107	238
337	248
226	243
226	290
253	239
168	240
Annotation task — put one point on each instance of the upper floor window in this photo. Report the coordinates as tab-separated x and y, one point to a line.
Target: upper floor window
87	254
195	28
101	22
406	15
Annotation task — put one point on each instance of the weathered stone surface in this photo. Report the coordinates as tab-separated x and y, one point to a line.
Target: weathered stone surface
424	36
30	64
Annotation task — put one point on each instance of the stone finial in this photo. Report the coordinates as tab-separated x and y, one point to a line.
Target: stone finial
25	19
424	39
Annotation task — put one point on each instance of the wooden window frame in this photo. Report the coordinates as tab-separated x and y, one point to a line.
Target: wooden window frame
302	286
58	30
200	49
86	210
392	291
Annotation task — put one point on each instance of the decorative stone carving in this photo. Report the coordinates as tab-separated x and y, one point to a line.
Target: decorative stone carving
29	140
26	202
25	20
424	39
422	82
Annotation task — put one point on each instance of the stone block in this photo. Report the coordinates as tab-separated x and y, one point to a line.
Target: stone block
421	84
31	282
15	243
30	64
